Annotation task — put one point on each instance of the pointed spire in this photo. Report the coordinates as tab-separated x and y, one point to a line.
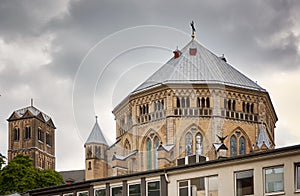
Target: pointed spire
96	136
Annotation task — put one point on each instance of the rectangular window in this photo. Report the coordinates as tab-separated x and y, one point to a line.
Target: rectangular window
83	193
298	177
100	192
48	139
134	190
274	181
204	186
116	191
184	188
153	188
40	135
244	183
27	133
16	134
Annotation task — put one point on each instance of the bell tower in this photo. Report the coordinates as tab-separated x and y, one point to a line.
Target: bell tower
32	132
95	154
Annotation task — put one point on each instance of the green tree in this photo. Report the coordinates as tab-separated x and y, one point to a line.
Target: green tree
19	175
2	160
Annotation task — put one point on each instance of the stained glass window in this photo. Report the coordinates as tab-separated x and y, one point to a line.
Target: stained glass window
188	144
233	150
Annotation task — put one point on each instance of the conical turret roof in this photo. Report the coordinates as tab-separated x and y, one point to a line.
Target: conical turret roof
96	136
198	65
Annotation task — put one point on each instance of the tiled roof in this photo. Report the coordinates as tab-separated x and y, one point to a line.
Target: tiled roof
96	136
202	68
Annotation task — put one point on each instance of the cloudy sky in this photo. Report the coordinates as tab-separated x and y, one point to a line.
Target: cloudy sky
78	59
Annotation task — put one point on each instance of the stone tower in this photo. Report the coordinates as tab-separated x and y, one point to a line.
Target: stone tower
95	154
32	133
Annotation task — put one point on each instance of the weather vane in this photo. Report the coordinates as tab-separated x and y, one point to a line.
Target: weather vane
193	29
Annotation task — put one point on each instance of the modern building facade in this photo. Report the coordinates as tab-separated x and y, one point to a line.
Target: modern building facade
31	132
190	107
271	172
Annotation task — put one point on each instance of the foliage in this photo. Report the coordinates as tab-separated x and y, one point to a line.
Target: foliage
19	175
2	160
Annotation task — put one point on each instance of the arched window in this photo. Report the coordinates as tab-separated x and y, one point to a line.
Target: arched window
183	102
233	105
244	107
127	146
16	134
187	102
198	102
229	104
207	102
89	152
248	107
252	108
199	144
225	104
188	144
156	144
202	102
233	146
98	152
149	154
90	165
178	102
242	145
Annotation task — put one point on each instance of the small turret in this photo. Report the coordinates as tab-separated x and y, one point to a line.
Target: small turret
95	154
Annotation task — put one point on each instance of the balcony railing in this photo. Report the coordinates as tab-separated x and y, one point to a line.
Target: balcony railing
239	115
193	111
152	116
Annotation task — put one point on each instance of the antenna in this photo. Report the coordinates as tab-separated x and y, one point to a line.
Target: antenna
31	102
96	118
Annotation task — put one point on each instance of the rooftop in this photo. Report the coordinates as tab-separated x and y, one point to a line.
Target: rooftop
195	64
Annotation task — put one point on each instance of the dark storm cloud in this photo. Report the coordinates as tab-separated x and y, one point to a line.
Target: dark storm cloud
255	35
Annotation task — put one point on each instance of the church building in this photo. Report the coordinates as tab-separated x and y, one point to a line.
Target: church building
32	132
195	107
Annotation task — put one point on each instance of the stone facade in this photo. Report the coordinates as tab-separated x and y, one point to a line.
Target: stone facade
161	123
32	133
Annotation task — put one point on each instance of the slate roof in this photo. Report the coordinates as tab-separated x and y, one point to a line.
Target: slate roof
202	68
73	175
263	137
96	136
31	111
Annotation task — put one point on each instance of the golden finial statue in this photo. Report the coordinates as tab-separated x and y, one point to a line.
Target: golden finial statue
193	29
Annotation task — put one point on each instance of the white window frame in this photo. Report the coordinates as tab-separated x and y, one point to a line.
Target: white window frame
82	192
207	185
99	188
264	182
68	194
115	186
154	180
188	186
235	184
133	184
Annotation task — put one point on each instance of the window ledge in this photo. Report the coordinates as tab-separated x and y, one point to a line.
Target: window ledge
297	191
40	141
275	193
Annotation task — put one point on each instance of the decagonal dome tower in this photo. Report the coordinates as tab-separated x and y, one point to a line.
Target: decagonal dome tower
193	106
